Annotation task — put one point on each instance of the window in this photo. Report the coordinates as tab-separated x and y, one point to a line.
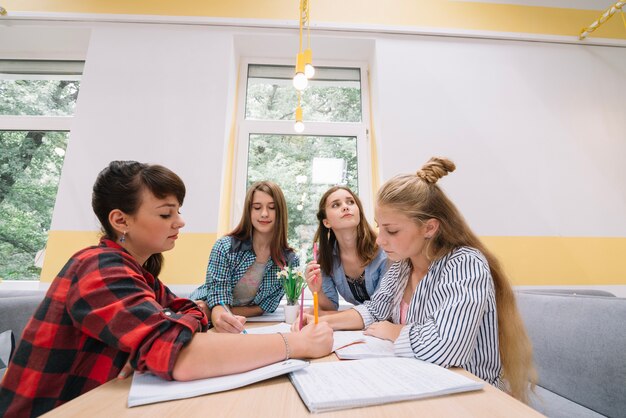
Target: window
37	102
332	150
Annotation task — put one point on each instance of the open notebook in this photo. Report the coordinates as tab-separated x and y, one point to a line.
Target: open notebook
147	388
329	386
367	347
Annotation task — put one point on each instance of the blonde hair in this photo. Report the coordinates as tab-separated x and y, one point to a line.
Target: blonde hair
419	198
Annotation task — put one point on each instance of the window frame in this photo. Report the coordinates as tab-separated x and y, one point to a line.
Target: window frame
39	122
244	128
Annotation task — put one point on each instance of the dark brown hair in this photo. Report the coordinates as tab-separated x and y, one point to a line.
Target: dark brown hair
366	237
119	186
243	231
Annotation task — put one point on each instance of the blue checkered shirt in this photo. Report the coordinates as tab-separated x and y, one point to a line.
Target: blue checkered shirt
230	259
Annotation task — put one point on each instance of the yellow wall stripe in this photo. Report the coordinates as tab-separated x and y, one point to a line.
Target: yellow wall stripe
561	260
185	264
227	195
527	260
424	13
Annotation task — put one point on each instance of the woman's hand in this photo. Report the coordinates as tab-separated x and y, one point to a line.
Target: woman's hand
385	330
314	340
308	318
204	308
126	371
313	276
224	321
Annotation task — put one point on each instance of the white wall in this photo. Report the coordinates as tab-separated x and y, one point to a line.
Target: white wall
154	94
537	130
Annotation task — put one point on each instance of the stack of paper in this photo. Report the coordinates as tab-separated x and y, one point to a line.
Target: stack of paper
147	388
329	386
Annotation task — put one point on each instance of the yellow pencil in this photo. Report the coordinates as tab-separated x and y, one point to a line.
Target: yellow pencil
315	307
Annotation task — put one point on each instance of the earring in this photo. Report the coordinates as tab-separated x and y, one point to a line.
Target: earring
123	237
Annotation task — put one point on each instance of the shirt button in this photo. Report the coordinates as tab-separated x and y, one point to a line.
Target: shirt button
168	313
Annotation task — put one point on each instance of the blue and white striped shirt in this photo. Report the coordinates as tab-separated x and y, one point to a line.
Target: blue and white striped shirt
452	319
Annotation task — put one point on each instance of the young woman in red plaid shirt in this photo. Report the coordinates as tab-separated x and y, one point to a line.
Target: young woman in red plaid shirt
107	313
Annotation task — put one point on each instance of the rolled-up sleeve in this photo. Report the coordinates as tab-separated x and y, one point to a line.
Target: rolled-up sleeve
112	302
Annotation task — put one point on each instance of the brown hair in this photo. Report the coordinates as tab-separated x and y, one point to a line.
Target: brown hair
419	197
243	231
119	186
366	237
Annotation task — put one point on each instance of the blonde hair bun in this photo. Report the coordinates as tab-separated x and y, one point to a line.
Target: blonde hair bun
434	169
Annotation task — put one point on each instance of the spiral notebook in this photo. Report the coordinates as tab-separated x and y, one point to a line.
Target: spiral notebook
330	386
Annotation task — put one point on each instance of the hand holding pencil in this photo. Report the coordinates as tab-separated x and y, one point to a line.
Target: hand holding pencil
313	276
307	317
225	321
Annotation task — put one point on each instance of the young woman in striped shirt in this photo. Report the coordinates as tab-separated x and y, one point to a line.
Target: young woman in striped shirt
446	299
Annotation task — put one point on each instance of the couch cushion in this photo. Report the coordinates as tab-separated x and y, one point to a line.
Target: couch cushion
15	313
572	292
578	345
554	406
7	345
11	293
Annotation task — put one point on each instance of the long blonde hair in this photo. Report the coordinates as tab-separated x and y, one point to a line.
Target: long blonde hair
419	198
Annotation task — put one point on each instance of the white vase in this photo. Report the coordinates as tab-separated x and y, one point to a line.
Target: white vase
291	312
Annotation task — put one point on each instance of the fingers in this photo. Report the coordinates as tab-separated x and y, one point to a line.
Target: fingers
226	322
313	276
295	326
311	268
126	371
371	330
320	339
203	307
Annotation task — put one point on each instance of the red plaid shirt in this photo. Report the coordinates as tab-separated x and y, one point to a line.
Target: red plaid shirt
102	309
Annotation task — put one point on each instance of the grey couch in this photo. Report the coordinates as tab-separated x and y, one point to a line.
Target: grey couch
579	347
16	308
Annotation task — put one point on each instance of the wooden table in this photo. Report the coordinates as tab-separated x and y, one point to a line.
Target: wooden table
278	398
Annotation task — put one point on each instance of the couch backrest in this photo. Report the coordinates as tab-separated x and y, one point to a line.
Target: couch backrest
579	347
16	311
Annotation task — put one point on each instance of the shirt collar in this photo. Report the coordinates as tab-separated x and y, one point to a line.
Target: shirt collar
237	245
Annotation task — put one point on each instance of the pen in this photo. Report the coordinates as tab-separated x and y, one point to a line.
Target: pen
315	307
228	310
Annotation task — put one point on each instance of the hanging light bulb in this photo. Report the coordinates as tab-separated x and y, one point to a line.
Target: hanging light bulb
309	69
300	82
299	125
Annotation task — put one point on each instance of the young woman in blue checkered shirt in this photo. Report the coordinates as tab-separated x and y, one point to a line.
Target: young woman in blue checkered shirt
243	266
